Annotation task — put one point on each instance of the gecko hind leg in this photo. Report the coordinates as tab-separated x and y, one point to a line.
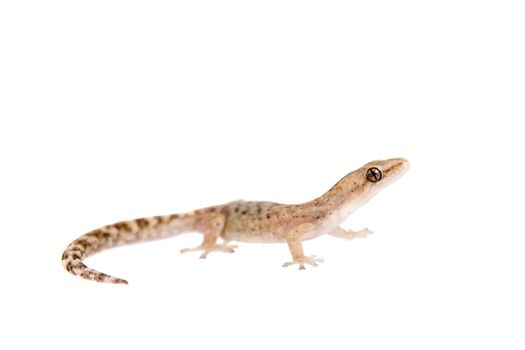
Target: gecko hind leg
211	226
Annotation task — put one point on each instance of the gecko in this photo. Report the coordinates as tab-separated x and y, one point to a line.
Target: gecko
243	221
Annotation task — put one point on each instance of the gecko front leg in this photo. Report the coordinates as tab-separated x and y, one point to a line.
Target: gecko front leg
296	249
211	226
349	234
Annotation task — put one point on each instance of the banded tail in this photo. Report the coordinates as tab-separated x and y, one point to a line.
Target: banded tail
124	232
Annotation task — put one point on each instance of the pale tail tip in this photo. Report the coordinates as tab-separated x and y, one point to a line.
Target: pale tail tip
118	281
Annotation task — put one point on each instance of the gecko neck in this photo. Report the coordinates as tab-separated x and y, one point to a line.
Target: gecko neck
338	202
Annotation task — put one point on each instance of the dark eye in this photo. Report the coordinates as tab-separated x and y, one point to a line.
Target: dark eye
374	175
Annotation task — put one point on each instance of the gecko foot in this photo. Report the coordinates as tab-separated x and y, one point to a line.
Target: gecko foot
362	233
310	260
225	248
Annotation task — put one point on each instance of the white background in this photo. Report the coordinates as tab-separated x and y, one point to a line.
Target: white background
112	110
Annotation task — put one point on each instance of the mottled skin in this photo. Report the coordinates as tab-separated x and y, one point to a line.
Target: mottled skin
246	222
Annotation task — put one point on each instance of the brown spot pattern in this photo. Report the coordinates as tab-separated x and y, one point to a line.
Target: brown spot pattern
142	223
123	226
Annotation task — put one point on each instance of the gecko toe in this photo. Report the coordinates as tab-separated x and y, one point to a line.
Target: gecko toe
310	260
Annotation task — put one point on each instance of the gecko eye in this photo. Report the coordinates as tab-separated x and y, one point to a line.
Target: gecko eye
374	175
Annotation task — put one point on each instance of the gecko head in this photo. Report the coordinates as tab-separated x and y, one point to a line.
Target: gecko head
377	174
382	172
363	183
357	187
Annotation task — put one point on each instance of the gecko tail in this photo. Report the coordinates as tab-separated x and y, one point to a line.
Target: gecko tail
75	266
121	233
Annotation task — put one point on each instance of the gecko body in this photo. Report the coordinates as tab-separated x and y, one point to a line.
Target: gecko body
242	221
